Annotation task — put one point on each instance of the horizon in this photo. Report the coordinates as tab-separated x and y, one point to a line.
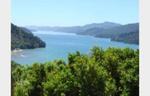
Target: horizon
76	25
73	13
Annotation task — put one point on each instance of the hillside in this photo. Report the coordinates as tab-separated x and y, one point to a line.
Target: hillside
132	37
115	31
75	29
22	38
119	30
121	33
104	25
96	31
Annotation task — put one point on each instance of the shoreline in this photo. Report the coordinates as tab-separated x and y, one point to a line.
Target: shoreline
16	50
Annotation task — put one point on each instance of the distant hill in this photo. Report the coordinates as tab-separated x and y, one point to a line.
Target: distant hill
111	30
121	33
22	38
104	25
75	29
92	31
132	37
119	30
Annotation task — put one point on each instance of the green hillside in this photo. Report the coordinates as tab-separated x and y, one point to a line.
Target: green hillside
132	37
22	38
128	33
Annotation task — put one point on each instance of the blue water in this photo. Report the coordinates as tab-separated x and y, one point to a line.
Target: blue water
59	44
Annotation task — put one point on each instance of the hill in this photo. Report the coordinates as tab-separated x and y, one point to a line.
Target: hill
111	30
75	29
132	37
22	38
104	25
123	33
119	30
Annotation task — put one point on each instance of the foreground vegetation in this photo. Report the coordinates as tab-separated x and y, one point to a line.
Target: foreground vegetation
110	72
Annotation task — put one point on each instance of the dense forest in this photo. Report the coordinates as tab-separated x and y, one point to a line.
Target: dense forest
22	38
109	72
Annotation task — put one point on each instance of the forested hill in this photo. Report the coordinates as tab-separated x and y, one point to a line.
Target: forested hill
22	38
128	33
131	37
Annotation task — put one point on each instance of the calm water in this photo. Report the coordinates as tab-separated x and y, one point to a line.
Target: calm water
58	45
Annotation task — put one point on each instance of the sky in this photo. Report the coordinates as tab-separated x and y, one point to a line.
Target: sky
73	12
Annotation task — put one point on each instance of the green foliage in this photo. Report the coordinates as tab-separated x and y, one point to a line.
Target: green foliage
110	72
22	38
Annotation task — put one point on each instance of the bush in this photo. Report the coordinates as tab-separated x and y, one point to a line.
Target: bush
110	72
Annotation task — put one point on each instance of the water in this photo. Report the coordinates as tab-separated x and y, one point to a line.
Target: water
59	44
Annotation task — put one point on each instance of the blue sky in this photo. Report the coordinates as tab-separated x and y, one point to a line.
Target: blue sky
73	12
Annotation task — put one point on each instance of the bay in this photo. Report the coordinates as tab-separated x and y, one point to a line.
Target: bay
59	45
